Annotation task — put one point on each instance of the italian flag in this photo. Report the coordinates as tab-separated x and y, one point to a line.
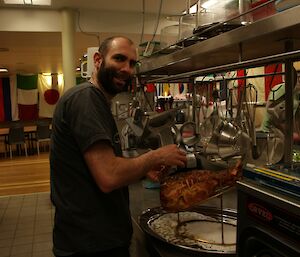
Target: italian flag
27	97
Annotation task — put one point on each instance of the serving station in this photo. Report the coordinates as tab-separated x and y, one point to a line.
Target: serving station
269	186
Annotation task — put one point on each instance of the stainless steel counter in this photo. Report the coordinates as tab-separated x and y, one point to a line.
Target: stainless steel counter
146	246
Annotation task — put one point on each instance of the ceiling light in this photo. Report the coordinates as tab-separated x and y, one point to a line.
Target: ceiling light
215	4
28	2
13	2
209	4
3	70
41	2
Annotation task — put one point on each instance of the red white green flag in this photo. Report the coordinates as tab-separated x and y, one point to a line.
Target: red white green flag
27	97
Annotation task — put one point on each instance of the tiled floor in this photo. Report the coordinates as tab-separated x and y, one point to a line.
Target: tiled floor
26	225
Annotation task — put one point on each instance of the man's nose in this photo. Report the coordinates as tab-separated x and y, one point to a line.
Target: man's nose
127	68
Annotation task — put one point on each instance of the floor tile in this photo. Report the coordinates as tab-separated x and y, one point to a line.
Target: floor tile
29	254
7	234
4	251
42	254
43	238
20	249
42	229
42	246
22	240
26	225
24	232
6	242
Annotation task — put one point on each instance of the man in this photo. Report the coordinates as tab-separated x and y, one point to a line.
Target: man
89	177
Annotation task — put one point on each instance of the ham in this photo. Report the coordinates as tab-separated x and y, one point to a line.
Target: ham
184	190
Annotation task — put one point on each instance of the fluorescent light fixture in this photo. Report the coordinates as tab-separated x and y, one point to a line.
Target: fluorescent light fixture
216	3
28	2
3	70
193	9
209	3
13	2
41	2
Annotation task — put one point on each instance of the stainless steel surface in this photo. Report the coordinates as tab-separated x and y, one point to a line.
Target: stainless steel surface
206	214
227	141
141	199
261	38
257	190
186	76
270	40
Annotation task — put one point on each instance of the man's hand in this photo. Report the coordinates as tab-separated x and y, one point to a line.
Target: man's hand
171	155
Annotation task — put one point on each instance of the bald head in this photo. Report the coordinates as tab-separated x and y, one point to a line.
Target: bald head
107	43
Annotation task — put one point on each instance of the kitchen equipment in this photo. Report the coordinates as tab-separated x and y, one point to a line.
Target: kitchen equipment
213	29
189	234
282	5
228	140
265	9
268	221
286	181
172	34
223	10
152	130
87	66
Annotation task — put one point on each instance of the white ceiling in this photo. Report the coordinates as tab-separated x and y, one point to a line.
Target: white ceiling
169	7
33	52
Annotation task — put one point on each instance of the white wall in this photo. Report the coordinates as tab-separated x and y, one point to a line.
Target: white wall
90	21
29	20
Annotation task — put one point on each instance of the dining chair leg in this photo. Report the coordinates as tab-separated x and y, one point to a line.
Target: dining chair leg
10	152
5	151
25	147
38	147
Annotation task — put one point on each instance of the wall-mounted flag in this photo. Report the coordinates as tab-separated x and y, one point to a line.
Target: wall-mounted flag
50	89
27	95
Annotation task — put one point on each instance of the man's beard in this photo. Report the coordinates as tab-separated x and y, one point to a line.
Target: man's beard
105	77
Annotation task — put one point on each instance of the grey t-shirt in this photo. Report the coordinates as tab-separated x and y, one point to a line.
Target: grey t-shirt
86	219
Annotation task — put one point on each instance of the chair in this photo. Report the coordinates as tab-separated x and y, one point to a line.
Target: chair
43	134
16	137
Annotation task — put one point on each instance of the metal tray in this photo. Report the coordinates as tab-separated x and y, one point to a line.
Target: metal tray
228	216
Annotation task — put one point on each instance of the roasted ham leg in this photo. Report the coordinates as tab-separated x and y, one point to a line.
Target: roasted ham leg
184	190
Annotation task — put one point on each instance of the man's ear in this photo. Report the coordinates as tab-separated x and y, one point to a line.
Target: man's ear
97	60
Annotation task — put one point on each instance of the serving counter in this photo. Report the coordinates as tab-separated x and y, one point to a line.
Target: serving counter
144	245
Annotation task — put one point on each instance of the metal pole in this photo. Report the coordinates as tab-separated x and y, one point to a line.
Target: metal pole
289	119
232	66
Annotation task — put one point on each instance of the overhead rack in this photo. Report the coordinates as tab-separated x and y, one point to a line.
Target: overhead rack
266	37
272	39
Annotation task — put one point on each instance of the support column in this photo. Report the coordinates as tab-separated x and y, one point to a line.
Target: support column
68	47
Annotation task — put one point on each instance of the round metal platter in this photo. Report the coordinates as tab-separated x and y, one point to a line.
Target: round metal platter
198	230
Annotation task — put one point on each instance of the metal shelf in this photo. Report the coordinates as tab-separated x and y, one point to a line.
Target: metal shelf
275	38
262	38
